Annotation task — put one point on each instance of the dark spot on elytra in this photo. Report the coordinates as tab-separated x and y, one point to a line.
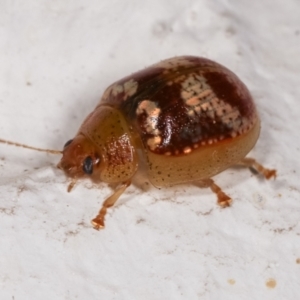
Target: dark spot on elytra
227	86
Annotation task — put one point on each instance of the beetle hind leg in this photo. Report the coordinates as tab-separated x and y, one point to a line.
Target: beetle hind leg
223	199
253	164
98	221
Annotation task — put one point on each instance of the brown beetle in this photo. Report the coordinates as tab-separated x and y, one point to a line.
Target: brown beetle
191	117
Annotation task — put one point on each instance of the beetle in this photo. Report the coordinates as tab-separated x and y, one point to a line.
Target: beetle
190	117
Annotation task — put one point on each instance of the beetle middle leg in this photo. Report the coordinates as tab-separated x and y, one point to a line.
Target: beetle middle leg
253	164
98	222
223	199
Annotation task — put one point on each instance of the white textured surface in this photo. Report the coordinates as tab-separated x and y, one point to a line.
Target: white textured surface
57	57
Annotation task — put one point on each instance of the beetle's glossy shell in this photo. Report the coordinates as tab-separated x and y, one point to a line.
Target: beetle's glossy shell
193	117
183	103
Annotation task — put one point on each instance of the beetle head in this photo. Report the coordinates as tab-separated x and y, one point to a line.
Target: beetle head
80	158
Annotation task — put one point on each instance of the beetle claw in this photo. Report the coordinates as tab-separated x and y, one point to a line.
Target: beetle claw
98	223
253	164
270	173
223	199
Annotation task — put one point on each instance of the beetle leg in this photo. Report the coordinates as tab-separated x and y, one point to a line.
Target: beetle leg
98	222
71	185
252	164
223	199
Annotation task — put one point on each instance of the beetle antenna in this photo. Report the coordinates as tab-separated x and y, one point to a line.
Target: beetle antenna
29	147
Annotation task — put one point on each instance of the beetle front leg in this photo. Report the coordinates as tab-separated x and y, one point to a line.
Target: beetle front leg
223	199
252	164
98	222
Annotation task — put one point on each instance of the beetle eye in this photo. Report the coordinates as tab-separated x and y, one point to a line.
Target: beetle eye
68	143
88	165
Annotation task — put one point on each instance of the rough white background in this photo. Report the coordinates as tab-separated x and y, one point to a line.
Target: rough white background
56	59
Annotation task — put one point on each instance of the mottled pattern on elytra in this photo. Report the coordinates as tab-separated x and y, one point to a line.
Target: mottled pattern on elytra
183	103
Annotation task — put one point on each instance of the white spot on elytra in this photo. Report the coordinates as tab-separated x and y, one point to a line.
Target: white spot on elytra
152	111
187	150
117	89
196	94
153	142
129	88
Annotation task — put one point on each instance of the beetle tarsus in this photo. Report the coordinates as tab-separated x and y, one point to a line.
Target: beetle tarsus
223	199
98	223
269	173
253	164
